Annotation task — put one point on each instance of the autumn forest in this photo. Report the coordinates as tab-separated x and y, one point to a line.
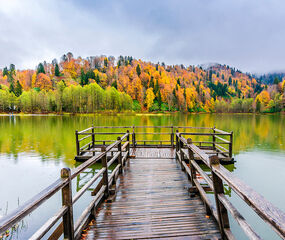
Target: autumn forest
101	83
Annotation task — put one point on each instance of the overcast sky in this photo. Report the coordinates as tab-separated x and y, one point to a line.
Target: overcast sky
246	34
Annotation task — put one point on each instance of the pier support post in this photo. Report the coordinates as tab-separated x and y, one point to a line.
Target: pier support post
67	219
105	174
219	188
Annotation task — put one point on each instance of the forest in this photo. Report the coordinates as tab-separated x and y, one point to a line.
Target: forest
104	83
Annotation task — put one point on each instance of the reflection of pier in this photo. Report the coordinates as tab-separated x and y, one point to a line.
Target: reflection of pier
151	188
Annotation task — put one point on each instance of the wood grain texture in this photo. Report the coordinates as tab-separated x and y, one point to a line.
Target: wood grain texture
152	201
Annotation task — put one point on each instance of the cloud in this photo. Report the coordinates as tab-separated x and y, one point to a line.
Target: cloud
244	34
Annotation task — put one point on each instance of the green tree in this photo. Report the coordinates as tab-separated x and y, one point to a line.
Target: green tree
41	69
82	78
5	71
151	82
156	87
159	100
12	88
56	70
138	69
276	80
18	89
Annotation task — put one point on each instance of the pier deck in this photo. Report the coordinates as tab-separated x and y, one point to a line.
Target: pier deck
153	201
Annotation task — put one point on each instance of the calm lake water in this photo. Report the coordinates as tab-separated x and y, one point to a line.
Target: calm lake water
33	149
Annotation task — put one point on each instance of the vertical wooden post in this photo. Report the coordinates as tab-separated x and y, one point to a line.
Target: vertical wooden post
181	152
67	219
177	144
214	139
134	137
219	188
172	137
105	174
77	143
231	146
120	155
128	146
191	157
93	140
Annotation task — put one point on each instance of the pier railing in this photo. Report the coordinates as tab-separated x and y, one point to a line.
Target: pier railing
219	175
103	182
216	140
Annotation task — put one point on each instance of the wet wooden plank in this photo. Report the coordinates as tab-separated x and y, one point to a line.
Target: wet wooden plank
153	201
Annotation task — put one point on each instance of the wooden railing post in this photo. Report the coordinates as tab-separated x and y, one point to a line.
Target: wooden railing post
128	146
93	140
231	146
120	155
172	137
134	137
177	144
191	157
77	143
219	188
105	174
214	138
181	152
67	219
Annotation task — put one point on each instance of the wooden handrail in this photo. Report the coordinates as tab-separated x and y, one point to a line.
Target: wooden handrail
22	211
266	210
64	184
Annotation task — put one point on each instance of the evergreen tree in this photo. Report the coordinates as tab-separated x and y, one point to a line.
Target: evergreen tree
97	78
178	81
151	82
18	89
82	78
41	69
210	75
5	72
230	80
105	62
159	99
156	87
115	84
12	88
138	69
276	80
56	70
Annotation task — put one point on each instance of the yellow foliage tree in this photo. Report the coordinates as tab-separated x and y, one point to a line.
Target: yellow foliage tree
149	98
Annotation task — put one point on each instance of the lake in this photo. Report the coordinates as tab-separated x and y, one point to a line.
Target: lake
33	149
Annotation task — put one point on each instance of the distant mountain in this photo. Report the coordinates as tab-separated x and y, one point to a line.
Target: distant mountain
270	78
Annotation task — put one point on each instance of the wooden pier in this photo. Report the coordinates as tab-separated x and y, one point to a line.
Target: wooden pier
212	141
148	188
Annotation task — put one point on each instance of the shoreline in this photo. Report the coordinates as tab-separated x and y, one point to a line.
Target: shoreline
135	113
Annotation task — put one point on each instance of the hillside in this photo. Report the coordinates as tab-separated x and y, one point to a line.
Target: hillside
99	83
